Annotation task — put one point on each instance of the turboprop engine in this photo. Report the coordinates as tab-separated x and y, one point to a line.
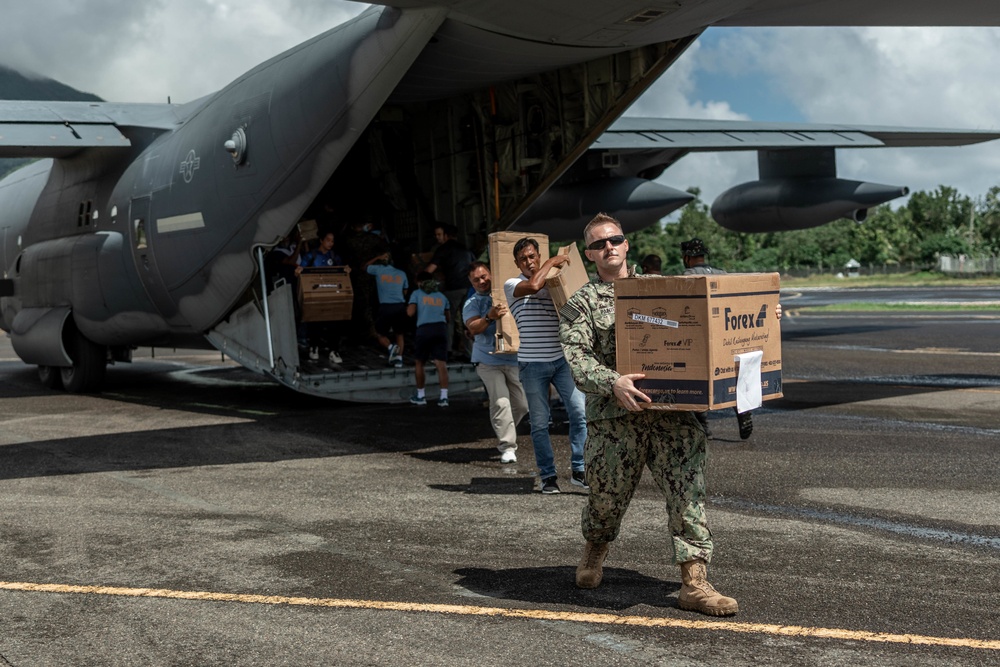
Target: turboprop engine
564	210
778	205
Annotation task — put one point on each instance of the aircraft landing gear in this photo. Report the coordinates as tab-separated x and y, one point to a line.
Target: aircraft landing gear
90	361
50	376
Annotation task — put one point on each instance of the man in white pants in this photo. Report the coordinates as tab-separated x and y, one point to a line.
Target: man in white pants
498	372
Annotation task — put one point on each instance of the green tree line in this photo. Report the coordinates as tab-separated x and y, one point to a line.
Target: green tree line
928	225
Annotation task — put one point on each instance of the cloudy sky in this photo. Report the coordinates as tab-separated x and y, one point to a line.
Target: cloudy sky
149	50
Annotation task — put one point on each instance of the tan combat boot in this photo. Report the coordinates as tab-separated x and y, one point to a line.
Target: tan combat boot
589	572
699	595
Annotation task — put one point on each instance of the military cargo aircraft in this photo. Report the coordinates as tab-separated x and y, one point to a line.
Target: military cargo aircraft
150	224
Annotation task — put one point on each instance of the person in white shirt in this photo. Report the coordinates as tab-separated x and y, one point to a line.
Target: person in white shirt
541	363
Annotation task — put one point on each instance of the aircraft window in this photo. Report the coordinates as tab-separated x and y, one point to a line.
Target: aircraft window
140	233
114	212
94	215
83	217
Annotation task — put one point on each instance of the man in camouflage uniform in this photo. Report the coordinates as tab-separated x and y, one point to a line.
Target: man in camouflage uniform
622	436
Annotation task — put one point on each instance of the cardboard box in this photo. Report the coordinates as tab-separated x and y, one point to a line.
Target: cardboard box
308	230
325	294
684	332
503	268
567	279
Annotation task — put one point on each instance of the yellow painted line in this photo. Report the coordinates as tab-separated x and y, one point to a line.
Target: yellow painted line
531	614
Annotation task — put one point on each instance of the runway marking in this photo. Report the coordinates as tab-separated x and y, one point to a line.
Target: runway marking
530	614
923	351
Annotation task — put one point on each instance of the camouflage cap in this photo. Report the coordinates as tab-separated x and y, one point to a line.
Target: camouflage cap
693	248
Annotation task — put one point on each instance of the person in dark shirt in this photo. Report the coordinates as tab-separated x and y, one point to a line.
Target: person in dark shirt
694	252
652	265
453	259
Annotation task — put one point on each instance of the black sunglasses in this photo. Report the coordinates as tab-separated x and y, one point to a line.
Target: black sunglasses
618	239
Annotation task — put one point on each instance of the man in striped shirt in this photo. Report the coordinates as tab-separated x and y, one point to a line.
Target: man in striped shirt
541	363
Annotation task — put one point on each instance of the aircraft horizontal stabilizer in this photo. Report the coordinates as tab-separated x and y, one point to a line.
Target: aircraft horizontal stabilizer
56	140
59	129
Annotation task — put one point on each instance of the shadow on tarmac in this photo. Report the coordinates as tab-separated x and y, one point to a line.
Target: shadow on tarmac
150	450
500	486
273	424
621	588
821	393
459	455
791	335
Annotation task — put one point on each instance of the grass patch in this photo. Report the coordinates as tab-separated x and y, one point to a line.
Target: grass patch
915	279
867	306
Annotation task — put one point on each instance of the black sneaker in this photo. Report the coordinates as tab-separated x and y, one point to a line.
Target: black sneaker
746	424
549	486
579	478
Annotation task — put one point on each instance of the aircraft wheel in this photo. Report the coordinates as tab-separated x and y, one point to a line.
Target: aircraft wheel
50	377
90	361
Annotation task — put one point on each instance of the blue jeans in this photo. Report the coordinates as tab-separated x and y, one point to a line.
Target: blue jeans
536	376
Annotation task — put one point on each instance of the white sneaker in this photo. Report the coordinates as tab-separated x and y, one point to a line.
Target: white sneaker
334	357
313	354
508	456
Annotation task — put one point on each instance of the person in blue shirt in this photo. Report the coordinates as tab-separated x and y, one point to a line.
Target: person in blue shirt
508	404
319	332
431	308
391	284
322	256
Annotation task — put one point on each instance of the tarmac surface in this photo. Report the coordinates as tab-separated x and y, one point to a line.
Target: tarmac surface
193	514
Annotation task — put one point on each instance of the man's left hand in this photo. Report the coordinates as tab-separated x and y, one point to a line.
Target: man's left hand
628	395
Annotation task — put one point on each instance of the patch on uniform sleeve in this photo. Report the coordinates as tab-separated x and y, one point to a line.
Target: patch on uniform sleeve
569	313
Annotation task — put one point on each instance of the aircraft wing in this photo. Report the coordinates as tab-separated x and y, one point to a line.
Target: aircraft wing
798	189
665	140
59	129
590	23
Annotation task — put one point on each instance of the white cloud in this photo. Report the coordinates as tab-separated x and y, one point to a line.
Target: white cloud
147	50
673	96
916	77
